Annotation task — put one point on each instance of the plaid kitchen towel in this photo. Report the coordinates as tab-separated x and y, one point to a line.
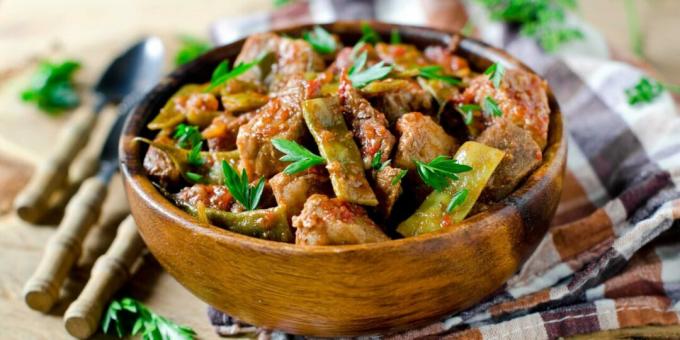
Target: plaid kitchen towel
612	257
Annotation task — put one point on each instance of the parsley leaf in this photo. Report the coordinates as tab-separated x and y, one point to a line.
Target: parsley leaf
544	20
439	171
361	77
376	163
194	177
190	49
187	135
495	73
222	74
239	187
52	87
491	108
368	34
645	91
399	176
129	316
457	199
302	158
435	72
395	37
468	111
322	41
194	156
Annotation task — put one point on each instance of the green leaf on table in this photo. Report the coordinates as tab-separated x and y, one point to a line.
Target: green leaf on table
130	317
645	91
52	87
190	49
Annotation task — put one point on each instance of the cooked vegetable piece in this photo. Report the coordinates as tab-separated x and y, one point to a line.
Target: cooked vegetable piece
431	215
291	191
281	118
269	224
324	120
174	111
522	156
451	63
244	101
332	221
370	127
521	97
421	139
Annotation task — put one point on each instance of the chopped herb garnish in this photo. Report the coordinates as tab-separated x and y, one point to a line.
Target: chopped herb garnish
395	37
194	156
52	87
645	91
194	177
439	171
368	34
491	108
302	158
457	199
468	111
239	187
436	72
281	3
187	136
130	317
399	176
361	77
377	164
322	41
191	49
543	20
495	73
222	73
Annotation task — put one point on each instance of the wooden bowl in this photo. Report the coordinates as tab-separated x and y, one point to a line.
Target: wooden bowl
352	289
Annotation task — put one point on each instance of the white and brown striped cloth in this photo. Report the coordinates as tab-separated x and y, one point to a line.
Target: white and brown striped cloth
612	257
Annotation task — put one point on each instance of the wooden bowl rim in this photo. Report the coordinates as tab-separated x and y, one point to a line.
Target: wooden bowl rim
134	173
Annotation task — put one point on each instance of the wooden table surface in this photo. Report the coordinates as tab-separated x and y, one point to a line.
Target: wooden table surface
94	31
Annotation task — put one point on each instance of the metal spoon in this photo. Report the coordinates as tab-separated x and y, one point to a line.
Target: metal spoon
128	73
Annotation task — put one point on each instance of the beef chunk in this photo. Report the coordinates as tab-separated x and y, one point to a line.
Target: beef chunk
522	156
281	117
159	165
422	139
292	191
369	126
396	101
330	221
212	196
386	191
522	97
222	131
402	56
450	62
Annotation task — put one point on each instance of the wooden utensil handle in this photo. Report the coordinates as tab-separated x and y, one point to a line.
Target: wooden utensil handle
50	175
42	289
109	273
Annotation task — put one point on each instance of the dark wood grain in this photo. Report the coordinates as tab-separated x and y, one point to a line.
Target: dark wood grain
343	290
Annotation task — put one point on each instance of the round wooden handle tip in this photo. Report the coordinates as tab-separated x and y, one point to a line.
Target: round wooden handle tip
39	298
80	326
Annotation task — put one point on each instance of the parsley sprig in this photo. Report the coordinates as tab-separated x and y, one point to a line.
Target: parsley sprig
399	176
222	74
439	171
544	20
644	91
377	164
322	41
301	157
187	135
361	77
129	316
468	111
194	157
436	72
52	87
395	37
495	73
239	187
491	107
457	199
368	34
190	49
